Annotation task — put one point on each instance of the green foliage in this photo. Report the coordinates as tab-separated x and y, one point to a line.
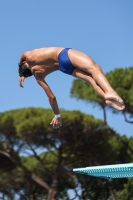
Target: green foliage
126	192
28	129
82	141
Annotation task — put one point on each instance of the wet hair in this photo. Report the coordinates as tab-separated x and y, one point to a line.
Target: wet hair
24	71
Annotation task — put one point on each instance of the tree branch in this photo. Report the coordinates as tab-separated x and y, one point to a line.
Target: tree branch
131	122
33	176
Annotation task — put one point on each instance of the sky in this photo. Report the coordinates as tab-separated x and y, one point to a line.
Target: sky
102	29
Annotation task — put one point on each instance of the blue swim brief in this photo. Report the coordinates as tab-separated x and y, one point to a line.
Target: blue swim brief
65	64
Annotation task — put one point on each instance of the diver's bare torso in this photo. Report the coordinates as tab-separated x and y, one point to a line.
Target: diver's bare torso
44	60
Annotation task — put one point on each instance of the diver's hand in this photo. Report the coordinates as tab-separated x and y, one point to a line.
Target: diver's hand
21	81
56	122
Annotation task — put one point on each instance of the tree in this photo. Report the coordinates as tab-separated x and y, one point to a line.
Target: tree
82	141
121	81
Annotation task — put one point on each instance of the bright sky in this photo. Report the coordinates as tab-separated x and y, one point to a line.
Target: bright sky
102	29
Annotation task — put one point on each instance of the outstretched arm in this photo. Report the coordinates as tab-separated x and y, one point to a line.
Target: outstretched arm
56	121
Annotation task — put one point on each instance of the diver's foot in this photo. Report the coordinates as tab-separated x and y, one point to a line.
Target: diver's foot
114	96
114	100
115	104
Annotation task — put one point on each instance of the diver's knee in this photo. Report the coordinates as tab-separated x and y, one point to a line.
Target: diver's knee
95	68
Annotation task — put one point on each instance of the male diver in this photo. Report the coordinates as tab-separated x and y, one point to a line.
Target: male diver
41	62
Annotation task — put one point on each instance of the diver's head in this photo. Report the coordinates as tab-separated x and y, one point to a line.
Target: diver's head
24	70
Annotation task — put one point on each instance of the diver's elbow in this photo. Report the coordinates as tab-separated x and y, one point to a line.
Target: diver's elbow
52	99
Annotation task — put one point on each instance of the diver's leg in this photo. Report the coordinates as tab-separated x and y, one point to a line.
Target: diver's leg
85	63
88	78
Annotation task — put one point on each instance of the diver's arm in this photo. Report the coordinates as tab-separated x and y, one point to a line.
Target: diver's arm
39	76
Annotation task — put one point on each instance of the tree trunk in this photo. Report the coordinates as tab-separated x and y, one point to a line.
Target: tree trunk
52	194
111	192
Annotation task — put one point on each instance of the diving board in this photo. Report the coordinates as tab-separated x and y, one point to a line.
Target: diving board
108	171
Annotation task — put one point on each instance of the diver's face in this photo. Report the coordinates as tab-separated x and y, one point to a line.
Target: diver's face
26	64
